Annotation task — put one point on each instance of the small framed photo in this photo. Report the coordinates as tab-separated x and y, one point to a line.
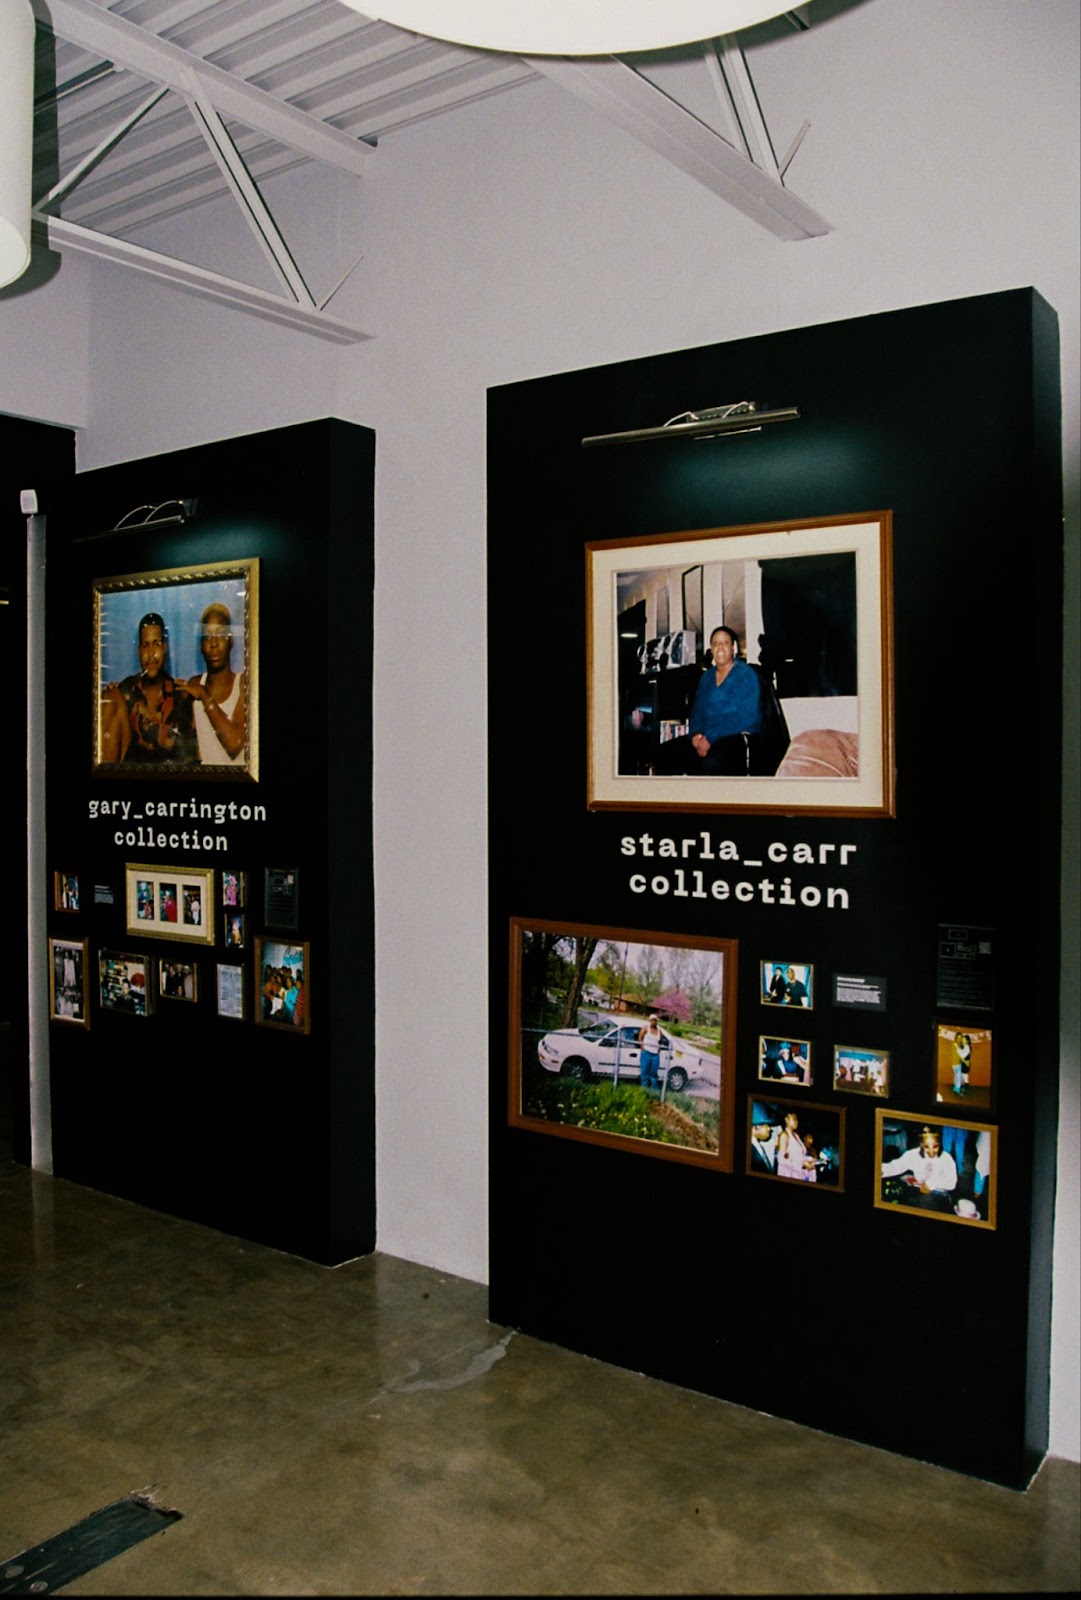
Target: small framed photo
69	996
231	992
784	1060
962	1066
787	983
177	980
122	984
624	1038
170	902
796	1142
234	888
933	1168
235	929
858	1070
65	891
282	977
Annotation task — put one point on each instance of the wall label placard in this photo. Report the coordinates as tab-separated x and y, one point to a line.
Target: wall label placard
282	889
857	992
965	975
663	877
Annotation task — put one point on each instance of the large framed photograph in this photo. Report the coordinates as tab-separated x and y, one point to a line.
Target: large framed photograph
69	993
796	1142
772	692
176	673
624	1038
934	1168
282	985
170	902
122	983
962	1065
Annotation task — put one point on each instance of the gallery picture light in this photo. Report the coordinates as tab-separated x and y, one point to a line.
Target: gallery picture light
16	136
571	27
168	514
709	422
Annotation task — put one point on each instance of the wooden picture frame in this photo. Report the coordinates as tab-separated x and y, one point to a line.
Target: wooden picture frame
157	636
589	1079
926	1166
66	892
787	983
797	1142
123	983
282	985
169	902
177	979
69	981
785	1060
859	1070
234	888
806	723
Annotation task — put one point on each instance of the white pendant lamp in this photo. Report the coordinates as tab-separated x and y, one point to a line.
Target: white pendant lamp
571	27
16	135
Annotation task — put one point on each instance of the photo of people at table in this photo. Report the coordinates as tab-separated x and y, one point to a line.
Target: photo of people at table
940	1168
784	1060
796	1142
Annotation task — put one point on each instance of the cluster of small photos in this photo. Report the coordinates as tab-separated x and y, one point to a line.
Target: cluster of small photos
178	905
939	1163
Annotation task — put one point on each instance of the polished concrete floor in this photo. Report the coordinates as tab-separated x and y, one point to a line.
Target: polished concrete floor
367	1431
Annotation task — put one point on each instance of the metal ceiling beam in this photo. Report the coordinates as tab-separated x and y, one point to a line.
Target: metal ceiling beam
641	109
61	235
122	42
247	196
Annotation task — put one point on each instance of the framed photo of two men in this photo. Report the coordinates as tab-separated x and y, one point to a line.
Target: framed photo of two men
175	687
743	669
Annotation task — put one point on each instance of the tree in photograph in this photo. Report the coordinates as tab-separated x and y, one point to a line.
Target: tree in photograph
649	974
583	951
673	1004
701	989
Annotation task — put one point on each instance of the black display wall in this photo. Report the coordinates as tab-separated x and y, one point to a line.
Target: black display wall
36	456
907	1331
266	1133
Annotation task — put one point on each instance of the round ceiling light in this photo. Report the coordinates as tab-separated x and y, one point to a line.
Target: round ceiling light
571	27
16	137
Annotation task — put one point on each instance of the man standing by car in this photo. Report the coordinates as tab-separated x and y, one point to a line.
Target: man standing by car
650	1042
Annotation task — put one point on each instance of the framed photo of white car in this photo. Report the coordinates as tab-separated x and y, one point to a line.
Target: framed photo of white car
624	1037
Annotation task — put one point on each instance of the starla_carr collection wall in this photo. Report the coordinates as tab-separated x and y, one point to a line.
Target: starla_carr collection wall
832	1198
210	922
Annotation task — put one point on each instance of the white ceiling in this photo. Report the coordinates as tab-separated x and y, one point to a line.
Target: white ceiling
363	78
146	108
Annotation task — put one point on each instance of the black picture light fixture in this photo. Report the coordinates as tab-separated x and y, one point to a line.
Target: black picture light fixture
167	514
710	422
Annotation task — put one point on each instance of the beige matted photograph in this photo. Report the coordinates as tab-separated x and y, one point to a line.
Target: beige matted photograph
170	902
743	669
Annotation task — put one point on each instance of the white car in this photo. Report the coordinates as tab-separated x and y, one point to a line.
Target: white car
594	1052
